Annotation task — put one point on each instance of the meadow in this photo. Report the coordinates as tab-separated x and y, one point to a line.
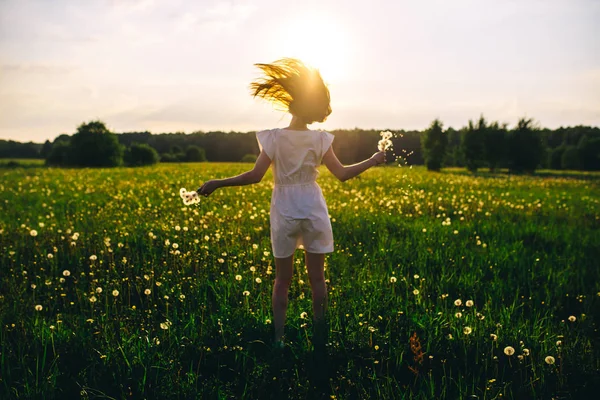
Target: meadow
442	286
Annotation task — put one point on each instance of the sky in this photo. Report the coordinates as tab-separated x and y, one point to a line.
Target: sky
169	66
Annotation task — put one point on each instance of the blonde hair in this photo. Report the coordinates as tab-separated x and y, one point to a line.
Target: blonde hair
294	87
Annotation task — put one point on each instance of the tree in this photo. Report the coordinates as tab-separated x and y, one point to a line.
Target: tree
46	149
589	151
195	154
140	154
93	145
59	154
249	158
434	142
494	145
472	144
555	157
525	148
168	157
570	158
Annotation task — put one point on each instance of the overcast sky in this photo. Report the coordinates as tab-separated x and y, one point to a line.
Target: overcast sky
167	66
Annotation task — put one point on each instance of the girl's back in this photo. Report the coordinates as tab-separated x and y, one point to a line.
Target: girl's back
296	154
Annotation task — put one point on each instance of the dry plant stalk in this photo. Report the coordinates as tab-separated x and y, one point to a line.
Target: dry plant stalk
417	350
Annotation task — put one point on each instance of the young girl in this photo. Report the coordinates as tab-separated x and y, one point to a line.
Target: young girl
299	217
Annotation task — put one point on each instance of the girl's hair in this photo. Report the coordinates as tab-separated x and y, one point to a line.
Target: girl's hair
295	87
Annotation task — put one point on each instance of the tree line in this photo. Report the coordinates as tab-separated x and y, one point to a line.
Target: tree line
521	148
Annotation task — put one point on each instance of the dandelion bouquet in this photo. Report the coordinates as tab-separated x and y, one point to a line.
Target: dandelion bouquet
189	197
386	141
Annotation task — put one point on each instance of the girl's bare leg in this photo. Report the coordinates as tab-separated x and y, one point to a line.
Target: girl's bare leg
283	279
315	266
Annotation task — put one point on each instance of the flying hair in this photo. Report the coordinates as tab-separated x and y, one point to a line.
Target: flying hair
294	87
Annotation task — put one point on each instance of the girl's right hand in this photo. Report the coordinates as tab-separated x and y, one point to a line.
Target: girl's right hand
379	157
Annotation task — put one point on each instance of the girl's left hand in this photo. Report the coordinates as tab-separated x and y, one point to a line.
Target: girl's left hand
208	187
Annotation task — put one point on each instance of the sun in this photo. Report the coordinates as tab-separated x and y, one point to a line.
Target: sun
319	42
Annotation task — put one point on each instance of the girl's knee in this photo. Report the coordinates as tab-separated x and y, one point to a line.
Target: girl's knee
282	284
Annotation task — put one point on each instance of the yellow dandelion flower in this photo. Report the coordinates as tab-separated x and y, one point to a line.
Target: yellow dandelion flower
509	350
549	360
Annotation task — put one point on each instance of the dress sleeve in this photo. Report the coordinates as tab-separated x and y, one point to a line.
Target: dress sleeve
326	140
266	142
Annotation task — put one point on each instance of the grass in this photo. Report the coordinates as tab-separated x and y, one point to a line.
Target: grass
140	295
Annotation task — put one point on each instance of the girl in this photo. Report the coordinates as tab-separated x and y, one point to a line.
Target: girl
298	214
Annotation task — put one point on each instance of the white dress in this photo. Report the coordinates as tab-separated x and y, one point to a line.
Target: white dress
299	216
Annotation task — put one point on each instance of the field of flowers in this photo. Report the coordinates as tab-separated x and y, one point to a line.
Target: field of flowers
442	286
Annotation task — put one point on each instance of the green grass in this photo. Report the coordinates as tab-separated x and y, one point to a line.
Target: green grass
523	249
21	162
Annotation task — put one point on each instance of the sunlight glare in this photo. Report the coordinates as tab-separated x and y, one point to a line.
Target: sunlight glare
319	42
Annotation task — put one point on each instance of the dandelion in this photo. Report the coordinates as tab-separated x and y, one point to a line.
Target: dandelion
526	352
33	233
467	330
376	347
549	360
258	280
572	318
509	351
115	292
93	299
164	326
238	277
268	321
493	336
181	296
458	302
50	256
424	230
38	307
416	276
385	143
147	292
416	292
175	245
93	257
458	315
253	269
246	293
66	272
393	279
469	303
304	315
98	290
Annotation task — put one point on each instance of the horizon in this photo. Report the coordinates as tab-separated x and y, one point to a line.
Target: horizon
140	65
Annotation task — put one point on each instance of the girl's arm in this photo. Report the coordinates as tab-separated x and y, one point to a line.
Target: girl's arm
342	172
247	178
